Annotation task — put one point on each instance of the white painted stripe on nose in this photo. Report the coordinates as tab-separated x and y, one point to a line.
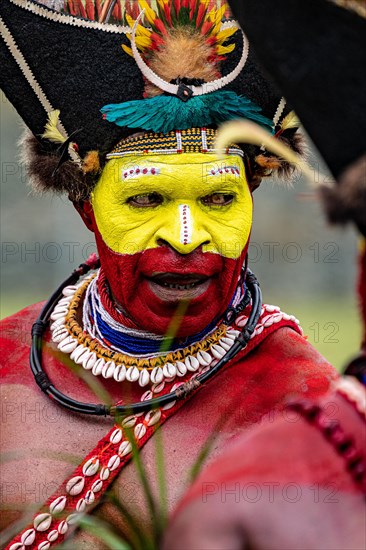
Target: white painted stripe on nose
185	224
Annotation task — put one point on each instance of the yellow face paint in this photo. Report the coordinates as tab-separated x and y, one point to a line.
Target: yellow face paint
187	200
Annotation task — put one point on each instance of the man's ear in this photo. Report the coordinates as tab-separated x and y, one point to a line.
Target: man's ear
85	209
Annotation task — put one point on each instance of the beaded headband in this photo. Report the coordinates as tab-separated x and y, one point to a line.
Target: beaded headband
193	140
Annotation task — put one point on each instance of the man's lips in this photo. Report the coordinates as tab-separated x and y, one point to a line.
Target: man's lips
172	287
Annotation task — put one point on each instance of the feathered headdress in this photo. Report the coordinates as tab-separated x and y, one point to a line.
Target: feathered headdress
170	65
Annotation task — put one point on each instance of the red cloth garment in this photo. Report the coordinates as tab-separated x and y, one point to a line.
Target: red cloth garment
277	363
297	480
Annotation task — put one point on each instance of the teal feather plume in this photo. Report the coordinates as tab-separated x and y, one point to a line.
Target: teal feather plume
165	113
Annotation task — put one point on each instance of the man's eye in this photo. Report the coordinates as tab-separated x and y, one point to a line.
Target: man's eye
145	201
217	199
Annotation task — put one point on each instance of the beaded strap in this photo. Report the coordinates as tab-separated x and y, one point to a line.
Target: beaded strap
343	443
89	481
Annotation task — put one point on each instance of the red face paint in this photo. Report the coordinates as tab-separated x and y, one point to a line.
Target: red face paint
131	281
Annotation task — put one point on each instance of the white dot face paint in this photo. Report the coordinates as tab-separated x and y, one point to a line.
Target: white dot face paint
185	224
139	171
222	171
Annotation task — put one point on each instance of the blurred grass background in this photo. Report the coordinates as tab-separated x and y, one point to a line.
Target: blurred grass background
305	267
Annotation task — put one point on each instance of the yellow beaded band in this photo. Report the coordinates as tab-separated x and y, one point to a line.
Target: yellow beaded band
193	140
76	331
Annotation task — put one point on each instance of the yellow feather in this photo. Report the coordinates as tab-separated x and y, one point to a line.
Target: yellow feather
211	15
225	34
290	121
51	131
223	50
141	30
149	13
143	42
127	50
130	21
220	14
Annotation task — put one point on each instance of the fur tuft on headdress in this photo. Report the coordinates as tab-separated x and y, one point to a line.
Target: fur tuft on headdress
271	165
46	173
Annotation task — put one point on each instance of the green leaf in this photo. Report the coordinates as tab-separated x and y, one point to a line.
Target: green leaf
103	532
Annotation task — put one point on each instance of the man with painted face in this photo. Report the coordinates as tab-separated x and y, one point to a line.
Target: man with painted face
170	299
171	229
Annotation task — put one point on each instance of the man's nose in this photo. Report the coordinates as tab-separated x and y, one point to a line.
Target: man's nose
183	230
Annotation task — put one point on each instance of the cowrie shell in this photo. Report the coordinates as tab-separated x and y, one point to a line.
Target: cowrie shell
241	321
91	466
144	378
108	369
28	537
125	448
271	309
265	318
59	313
192	363
17	546
277	318
119	373
89	360
67	345
169	370
153	417
89	497
104	473
132	374
217	351
140	431
157	375
97	485
231	333
204	358
78	351
228	341
98	366
129	421
81	505
61	308
225	345
147	396
65	301
116	436
157	388
268	323
45	545
75	485
52	535
181	368
114	462
168	406
57	324
59	334
63	527
58	505
286	317
69	290
42	522
259	329
204	369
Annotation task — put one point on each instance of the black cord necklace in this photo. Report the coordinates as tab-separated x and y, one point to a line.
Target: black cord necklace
183	391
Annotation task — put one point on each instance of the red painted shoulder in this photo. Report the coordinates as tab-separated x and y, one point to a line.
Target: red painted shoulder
15	342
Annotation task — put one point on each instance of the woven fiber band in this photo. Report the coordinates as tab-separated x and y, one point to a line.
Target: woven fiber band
193	140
